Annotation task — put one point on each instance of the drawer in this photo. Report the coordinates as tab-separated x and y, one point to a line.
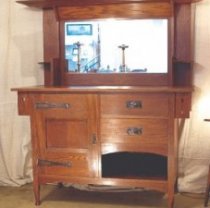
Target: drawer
135	105
62	105
72	165
134	131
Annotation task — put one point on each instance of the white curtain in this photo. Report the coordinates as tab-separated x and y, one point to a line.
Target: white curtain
194	151
21	48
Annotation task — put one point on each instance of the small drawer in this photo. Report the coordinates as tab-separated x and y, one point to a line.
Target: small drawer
62	105
135	105
134	131
72	165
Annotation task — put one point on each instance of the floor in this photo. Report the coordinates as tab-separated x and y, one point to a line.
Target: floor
63	197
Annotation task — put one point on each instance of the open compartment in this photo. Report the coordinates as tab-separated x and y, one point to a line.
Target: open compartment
134	165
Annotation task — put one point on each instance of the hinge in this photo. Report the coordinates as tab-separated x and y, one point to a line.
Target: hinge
53	163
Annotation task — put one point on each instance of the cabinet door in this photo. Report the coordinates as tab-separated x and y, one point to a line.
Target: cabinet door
66	134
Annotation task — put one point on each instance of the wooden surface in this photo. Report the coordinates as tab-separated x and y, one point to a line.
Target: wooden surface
103	89
180	51
82	127
74	127
155	105
115	79
131	10
46	4
180	40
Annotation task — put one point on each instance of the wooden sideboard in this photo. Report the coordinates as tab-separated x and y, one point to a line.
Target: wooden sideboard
112	129
115	136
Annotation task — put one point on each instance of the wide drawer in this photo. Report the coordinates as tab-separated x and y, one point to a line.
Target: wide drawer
62	105
134	131
134	105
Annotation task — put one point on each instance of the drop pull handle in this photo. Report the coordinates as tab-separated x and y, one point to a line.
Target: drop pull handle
134	131
133	104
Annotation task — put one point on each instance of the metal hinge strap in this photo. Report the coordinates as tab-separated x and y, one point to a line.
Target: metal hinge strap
53	163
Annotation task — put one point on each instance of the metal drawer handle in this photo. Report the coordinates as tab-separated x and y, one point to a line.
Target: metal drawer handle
134	104
46	105
53	163
132	131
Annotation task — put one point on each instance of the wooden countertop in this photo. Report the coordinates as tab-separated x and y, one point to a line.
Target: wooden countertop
103	89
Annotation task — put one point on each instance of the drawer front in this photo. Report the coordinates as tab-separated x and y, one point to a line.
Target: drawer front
135	105
134	131
71	165
62	105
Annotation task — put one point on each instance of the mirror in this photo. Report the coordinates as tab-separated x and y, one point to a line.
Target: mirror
117	46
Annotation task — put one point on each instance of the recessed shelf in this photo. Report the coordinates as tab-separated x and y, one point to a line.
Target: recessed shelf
129	165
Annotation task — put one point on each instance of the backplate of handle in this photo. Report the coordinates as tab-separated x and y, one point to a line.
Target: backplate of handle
134	131
134	104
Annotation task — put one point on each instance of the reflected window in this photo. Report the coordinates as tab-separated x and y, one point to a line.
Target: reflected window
114	46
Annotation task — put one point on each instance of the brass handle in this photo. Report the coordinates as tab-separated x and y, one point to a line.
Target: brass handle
46	105
134	104
133	131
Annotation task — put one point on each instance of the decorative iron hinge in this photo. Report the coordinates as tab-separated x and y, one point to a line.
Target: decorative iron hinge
46	105
53	163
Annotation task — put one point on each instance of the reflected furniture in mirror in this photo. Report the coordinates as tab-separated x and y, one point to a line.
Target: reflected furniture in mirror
117	77
132	43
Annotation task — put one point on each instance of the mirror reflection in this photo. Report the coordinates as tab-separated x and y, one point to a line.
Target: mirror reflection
117	46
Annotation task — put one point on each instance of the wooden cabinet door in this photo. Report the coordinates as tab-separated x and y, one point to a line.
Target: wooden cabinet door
65	134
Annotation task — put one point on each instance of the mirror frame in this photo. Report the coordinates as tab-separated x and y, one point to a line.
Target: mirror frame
116	79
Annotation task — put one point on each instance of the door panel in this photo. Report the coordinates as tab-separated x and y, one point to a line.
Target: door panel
67	133
65	128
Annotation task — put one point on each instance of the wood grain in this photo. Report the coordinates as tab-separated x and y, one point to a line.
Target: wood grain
153	105
130	10
154	131
47	4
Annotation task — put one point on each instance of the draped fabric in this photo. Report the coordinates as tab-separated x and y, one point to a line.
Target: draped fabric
194	151
21	48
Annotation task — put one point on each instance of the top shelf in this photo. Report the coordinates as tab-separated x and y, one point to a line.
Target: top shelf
51	4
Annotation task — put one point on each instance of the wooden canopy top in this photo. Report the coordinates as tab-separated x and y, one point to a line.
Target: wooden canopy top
50	4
